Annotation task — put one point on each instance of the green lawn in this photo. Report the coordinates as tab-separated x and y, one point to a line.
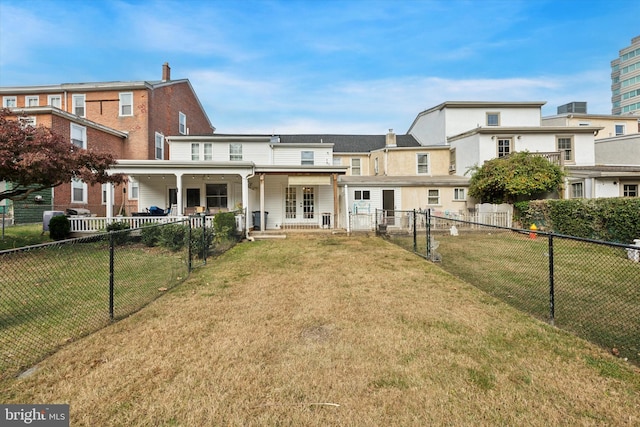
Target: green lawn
55	294
18	236
596	288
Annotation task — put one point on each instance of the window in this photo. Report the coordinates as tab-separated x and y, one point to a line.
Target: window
182	123
362	195
104	193
577	190
337	161
134	189
195	151
126	104
306	158
355	167
31	101
423	163
565	144
619	130
78	135
376	166
504	147
9	102
78	102
452	160
55	101
208	151
78	191
433	197
493	119
216	195
235	152
458	194
159	146
27	121
630	190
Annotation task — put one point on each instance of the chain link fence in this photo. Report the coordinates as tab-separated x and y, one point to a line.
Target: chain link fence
55	293
590	288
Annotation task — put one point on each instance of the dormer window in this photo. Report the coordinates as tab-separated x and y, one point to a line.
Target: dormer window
306	158
493	119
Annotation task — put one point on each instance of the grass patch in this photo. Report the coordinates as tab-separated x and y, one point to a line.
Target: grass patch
18	236
321	334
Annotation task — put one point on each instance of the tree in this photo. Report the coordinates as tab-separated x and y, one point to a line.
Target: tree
520	176
36	158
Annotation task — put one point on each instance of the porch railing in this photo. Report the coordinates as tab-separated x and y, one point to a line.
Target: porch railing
99	224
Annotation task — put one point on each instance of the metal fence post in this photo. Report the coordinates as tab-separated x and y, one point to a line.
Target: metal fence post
415	233
205	247
189	246
552	308
111	273
428	231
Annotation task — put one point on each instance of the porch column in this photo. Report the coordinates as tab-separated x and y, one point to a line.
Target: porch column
179	195
336	203
109	200
245	203
346	208
263	226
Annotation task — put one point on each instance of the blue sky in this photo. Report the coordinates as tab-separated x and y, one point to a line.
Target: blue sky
350	66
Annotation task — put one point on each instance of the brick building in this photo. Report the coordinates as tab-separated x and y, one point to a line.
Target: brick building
128	119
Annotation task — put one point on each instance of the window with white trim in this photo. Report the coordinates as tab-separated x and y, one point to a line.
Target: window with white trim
493	119
630	190
104	193
195	151
422	161
577	190
182	123
27	121
126	104
134	189
337	161
376	166
565	144
208	151
78	105
54	101
159	146
362	195
355	167
79	135
9	101
433	197
31	101
306	158
78	191
504	147
235	152
459	194
619	130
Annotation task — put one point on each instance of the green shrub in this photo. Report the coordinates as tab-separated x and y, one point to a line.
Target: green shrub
224	226
59	227
174	236
150	234
614	219
120	231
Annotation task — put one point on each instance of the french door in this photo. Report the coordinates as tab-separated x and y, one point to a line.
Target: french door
300	204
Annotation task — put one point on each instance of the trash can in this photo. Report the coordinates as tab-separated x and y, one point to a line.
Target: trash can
326	219
256	220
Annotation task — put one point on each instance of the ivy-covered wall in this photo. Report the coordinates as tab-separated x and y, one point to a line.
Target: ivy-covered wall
610	219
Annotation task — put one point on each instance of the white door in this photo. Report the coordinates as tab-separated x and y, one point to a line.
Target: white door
300	204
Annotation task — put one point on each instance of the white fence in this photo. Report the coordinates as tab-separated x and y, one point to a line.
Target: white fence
87	225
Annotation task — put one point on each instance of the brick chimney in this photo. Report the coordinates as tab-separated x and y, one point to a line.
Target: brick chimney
166	72
390	140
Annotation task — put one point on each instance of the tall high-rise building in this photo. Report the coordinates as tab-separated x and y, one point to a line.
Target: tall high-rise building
625	80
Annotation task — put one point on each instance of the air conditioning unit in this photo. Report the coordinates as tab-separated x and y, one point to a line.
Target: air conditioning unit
452	168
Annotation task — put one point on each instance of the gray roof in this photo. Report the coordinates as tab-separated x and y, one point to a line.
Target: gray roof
350	143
